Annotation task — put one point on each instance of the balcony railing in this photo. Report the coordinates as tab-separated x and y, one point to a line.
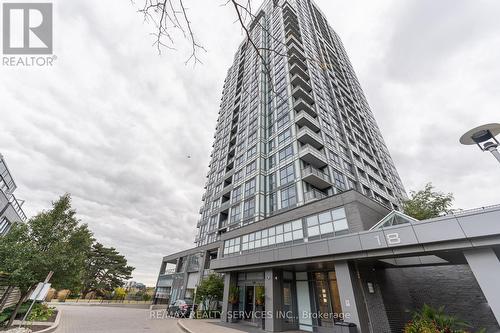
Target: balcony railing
304	119
306	135
299	92
309	170
301	105
7	184
316	177
312	156
17	207
299	81
297	66
314	195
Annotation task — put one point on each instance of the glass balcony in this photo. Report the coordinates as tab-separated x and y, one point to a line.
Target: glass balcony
298	81
301	93
291	39
314	195
301	105
297	52
304	119
298	67
312	156
316	177
307	136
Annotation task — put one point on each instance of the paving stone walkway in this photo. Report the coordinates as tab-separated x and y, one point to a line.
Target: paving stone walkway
102	319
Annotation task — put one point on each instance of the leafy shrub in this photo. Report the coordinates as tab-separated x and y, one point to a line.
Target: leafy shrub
41	312
421	326
6	313
431	320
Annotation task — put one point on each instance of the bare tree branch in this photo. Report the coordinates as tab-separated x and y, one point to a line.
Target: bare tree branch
169	16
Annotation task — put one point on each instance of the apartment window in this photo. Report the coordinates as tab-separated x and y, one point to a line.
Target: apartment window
249	208
270	146
240	159
273	202
250	187
287	174
251	152
327	224
235	213
236	194
284	136
288	197
351	184
232	246
251	167
285	152
282	233
339	180
272	181
335	158
252	137
283	121
238	176
213	223
271	161
349	167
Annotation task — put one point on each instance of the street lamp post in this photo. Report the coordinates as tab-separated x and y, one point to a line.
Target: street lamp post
484	137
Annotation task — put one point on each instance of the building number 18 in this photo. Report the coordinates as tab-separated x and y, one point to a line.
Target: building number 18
392	239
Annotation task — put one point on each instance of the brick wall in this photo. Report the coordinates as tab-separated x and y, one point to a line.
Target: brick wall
403	290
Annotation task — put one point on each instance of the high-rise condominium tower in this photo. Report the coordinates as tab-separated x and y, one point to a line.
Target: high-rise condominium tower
294	129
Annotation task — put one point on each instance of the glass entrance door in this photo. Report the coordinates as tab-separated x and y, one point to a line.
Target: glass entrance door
327	300
249	302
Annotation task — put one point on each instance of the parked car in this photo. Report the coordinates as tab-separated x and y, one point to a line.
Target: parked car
181	308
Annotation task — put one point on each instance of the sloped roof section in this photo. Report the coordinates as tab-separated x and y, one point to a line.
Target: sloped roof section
393	218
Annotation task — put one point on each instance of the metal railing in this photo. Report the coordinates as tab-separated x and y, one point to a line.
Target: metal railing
17	207
314	195
474	210
314	171
307	148
306	130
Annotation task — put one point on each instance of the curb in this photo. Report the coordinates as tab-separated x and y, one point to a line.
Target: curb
182	327
56	323
52	327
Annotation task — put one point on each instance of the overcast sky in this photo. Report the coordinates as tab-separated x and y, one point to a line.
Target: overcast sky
112	122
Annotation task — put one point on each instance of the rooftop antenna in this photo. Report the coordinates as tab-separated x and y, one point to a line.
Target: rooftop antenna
484	137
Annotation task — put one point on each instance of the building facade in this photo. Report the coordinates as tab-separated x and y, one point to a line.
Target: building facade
10	207
10	212
292	129
300	212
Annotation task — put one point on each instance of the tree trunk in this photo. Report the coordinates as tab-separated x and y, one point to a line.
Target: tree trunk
18	305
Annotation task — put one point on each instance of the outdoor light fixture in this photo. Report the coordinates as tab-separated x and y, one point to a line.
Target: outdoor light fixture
484	137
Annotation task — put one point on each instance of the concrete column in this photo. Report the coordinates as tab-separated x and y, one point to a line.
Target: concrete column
485	266
229	280
273	289
352	302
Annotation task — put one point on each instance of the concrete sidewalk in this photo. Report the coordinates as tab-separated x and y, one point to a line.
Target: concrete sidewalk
216	326
206	326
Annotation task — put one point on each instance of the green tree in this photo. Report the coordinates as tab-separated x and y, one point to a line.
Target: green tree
105	270
53	240
427	203
210	290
